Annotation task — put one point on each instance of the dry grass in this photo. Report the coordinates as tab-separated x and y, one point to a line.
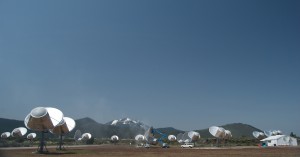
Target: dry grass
118	151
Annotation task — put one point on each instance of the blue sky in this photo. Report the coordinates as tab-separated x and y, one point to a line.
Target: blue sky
185	64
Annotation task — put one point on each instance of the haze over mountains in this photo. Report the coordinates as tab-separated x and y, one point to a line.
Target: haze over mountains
127	128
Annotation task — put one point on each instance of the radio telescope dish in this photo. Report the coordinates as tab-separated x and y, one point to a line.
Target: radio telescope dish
217	132
194	136
139	137
86	136
268	133
272	133
258	135
43	118
186	138
5	135
172	138
77	135
114	138
31	136
149	134
228	134
67	125
179	138
19	132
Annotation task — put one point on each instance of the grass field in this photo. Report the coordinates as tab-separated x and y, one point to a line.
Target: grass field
121	150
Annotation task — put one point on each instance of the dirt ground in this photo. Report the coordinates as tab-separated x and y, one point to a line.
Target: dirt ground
121	150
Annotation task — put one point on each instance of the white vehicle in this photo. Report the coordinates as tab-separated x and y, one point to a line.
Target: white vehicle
187	145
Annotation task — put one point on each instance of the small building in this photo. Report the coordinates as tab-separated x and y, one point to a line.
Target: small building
280	140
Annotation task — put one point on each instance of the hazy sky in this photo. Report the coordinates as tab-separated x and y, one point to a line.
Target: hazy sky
185	64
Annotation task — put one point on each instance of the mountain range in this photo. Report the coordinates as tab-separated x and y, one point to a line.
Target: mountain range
127	128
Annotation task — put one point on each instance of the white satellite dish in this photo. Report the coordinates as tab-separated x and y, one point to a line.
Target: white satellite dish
272	133
5	135
19	132
31	136
217	132
149	134
114	139
194	136
228	134
179	138
258	135
172	138
67	125
268	133
43	118
86	136
77	135
139	138
186	138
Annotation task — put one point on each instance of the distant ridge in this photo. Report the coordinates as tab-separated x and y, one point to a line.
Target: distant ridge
7	125
237	130
126	128
170	131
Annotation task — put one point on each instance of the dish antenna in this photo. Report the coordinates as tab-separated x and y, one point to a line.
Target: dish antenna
31	136
219	133
42	119
64	127
77	135
268	133
86	136
19	132
114	139
258	135
194	136
5	135
149	134
179	138
228	134
272	133
172	138
139	138
188	137
150	138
